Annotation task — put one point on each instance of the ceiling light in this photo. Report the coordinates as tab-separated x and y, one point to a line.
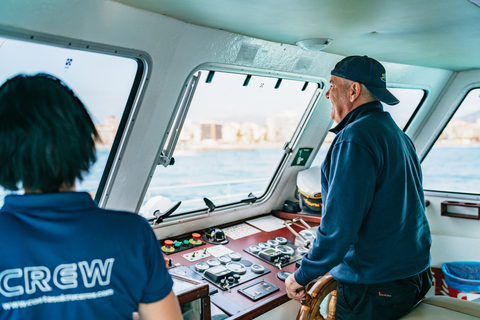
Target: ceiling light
315	44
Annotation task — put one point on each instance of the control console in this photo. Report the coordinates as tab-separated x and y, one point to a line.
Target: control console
229	270
278	252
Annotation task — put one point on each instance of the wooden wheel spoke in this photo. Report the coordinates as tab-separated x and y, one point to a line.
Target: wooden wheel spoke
310	309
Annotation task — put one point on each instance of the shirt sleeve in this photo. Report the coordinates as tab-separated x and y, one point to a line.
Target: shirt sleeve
351	180
159	282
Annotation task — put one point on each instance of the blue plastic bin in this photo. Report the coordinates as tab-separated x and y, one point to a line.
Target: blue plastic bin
463	279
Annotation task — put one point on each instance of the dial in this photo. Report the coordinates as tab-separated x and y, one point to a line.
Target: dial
213	262
236	267
201	266
256	268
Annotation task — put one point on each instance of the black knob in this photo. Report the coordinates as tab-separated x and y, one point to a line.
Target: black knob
236	276
231	279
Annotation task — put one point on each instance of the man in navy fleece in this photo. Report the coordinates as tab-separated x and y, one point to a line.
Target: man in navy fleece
374	237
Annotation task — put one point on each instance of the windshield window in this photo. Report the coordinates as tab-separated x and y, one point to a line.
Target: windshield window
232	139
102	82
452	163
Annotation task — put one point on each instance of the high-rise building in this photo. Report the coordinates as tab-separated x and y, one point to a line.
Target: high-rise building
210	130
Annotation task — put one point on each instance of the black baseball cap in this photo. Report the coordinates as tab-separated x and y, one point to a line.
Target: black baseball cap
367	71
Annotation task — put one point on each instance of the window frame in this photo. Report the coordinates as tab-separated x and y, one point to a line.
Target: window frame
417	109
162	159
136	94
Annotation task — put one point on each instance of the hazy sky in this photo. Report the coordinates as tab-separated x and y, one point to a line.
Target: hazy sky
470	104
226	99
101	81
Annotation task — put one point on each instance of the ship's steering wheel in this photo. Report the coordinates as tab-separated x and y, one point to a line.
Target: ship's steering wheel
310	309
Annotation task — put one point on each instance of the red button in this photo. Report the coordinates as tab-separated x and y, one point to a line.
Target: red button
168	243
196	236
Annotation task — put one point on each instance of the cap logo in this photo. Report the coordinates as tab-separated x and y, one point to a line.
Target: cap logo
383	78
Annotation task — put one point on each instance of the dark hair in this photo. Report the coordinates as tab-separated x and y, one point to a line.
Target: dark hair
47	138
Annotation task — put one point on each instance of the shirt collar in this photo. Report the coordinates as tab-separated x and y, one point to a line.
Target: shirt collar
62	201
357	113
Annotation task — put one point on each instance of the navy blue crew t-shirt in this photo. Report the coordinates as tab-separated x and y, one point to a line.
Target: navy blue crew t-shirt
65	258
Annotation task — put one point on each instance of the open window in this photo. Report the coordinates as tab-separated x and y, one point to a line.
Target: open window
106	83
451	165
227	138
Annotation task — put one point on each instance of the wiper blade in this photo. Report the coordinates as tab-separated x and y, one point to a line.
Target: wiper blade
251	198
209	204
160	216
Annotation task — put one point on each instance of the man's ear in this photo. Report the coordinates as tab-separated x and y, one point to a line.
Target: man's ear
355	91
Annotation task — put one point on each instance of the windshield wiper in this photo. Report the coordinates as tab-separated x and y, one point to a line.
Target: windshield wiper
251	198
209	204
160	216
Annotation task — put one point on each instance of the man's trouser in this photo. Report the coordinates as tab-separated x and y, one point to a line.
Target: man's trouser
383	301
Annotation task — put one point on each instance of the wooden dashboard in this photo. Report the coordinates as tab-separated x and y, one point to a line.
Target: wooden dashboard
233	303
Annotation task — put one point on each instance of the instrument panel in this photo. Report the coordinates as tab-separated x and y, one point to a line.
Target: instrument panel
246	274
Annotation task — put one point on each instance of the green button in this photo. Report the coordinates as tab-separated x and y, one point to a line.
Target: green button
177	244
186	242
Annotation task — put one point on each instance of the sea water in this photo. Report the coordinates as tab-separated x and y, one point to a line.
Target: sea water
224	176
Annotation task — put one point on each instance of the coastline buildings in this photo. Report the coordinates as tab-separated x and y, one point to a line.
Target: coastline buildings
207	135
107	132
459	131
238	135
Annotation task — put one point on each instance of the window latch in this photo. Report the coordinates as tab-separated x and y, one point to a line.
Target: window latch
166	161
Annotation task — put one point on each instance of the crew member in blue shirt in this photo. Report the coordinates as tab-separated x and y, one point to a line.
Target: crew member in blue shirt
62	256
374	237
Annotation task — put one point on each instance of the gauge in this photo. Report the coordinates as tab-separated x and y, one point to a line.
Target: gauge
256	268
235	256
302	251
264	245
224	259
213	262
236	267
281	240
201	267
285	250
273	243
254	249
308	235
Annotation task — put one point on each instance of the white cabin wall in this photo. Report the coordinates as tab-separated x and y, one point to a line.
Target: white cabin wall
454	239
